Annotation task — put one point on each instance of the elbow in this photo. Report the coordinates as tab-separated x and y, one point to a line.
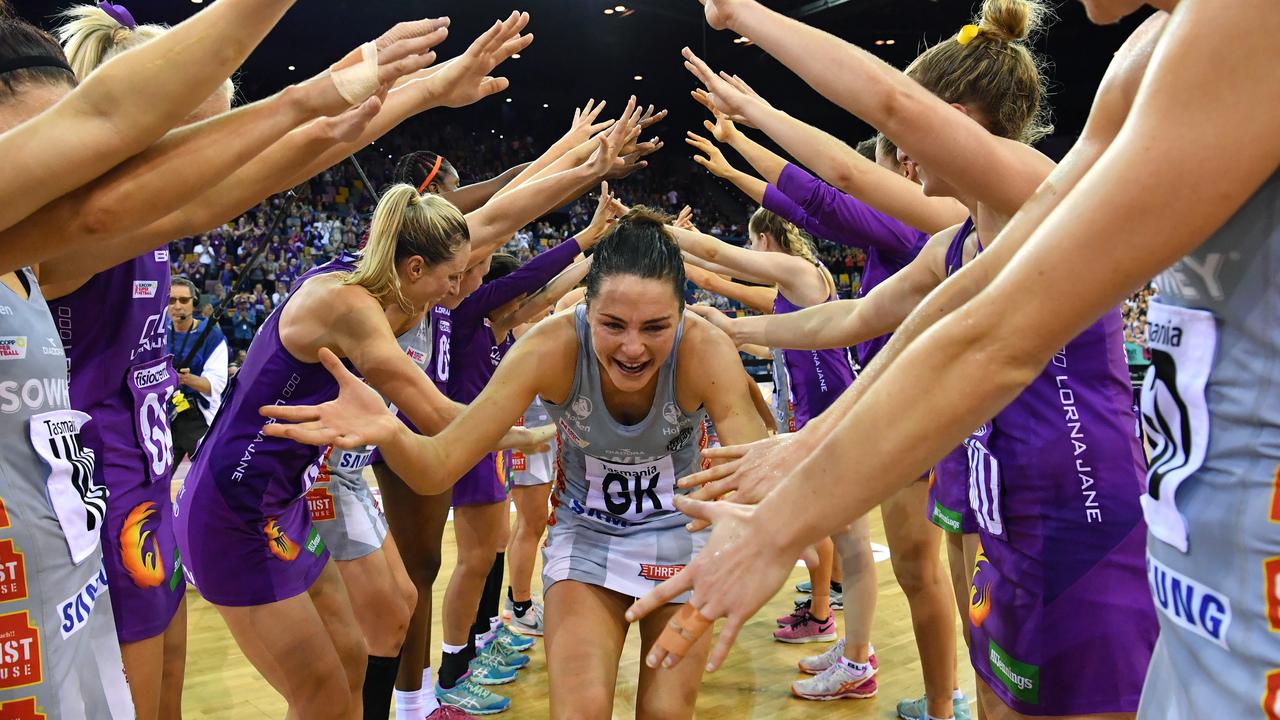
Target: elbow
99	218
1007	360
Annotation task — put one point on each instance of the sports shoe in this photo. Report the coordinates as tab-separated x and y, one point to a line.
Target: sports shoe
837	681
487	669
503	655
471	697
808	630
918	709
815	664
837	600
512	640
449	712
805	587
531	623
801	612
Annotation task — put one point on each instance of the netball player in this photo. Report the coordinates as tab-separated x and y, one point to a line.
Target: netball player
629	414
1108	572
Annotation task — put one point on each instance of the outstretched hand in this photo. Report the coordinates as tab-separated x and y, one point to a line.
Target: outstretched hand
734	575
712	158
373	68
725	96
466	80
584	125
749	471
357	417
720	13
608	210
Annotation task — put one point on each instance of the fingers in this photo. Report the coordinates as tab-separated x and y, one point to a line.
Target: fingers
491	85
681	632
716	489
415	28
339	371
700	69
701	96
661	595
388	74
728	634
291	413
649	121
726	452
711	474
307	434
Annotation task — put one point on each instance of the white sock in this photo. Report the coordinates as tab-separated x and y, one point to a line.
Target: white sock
857	667
452	649
429	702
409	704
957	694
931	717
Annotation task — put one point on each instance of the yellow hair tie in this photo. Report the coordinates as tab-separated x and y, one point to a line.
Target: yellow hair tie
968	33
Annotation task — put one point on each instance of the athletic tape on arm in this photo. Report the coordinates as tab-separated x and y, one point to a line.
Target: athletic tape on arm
360	81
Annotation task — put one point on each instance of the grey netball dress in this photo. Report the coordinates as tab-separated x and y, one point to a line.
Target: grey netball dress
537	469
59	656
343	509
614	523
1211	410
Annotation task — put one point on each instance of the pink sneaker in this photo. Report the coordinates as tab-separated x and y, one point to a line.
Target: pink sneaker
800	613
808	630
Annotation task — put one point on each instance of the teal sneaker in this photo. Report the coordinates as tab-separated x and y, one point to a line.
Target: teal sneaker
473	698
488	669
512	640
504	656
918	709
805	587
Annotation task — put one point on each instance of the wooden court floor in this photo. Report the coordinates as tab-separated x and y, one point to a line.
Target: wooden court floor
754	682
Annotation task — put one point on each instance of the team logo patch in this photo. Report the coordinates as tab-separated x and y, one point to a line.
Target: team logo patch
1271	700
680	441
980	592
143	289
1189	604
13	574
658	573
582	407
415	355
1019	678
1271	574
22	709
160	255
566	432
320	502
13	347
140	548
671	413
75	610
278	542
19	652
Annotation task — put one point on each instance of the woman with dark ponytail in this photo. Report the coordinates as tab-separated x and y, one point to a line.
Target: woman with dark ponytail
624	377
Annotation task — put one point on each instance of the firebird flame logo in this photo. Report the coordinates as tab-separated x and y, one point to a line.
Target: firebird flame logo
139	548
980	594
278	543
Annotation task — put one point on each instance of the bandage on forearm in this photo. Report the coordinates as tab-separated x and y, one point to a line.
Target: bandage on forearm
358	82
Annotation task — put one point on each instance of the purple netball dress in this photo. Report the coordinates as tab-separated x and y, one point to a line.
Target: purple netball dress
474	355
242	519
1061	621
816	377
831	214
122	375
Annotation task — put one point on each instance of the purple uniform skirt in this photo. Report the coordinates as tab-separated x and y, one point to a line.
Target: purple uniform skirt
484	484
235	560
949	494
141	557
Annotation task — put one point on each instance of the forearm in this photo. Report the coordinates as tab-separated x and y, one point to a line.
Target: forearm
830	325
766	162
200	384
493	224
417	459
97	126
473	197
756	297
560	156
752	187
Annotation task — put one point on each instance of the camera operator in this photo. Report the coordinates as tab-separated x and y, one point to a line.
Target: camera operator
200	384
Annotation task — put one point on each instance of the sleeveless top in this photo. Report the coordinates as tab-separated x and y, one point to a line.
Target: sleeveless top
441	320
815	377
121	371
784	418
1211	399
260	476
618	477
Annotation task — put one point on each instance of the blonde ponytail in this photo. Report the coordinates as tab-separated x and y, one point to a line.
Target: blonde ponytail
406	224
90	37
792	239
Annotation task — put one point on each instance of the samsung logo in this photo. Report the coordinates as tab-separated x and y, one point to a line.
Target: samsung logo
1189	604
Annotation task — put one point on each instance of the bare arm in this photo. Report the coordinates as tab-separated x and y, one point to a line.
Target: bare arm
97	126
536	305
756	297
793	275
469	198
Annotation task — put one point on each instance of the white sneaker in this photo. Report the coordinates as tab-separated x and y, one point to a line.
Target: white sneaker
531	623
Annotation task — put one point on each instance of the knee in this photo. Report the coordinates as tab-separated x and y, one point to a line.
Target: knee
475	562
392	624
317	696
589	705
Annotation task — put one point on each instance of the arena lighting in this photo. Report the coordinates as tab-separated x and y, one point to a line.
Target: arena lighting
890	42
545	105
620	8
508	99
638	77
608	11
291	68
879	42
516	56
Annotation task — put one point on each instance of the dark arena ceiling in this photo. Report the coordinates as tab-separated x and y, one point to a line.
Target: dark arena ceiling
581	52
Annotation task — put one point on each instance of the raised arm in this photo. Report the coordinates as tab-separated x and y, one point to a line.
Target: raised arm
536	305
788	272
994	170
470	198
98	125
582	129
714	161
756	297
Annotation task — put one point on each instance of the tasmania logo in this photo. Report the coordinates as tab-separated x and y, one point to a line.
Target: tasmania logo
1271	701
19	652
320	500
13	573
658	573
24	709
1271	574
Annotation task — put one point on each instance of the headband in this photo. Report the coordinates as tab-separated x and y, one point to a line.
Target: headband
431	175
23	62
118	13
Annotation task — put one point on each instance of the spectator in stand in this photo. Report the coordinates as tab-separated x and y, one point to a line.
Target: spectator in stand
240	324
202	377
